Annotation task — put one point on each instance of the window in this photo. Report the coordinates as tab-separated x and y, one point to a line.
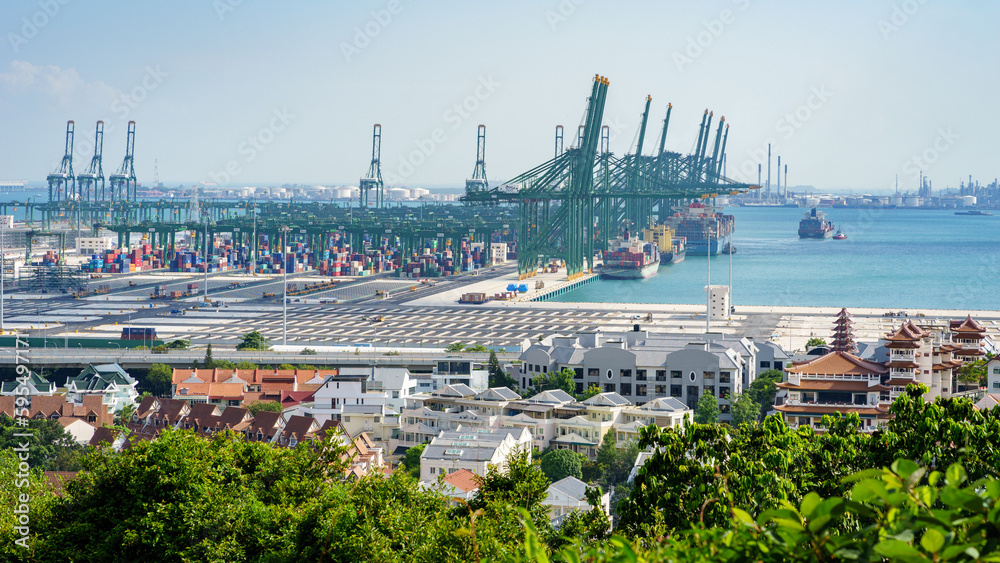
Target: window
707	375
626	389
710	389
610	375
640	375
640	390
675	390
723	409
996	371
545	369
661	390
609	387
765	364
726	377
661	375
625	373
692	376
675	374
723	391
996	384
594	372
777	365
579	387
433	470
577	373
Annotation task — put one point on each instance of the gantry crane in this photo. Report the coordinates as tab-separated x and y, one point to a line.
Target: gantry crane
62	182
373	181
90	182
478	182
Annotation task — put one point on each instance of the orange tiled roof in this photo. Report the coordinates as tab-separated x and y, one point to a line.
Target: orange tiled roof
838	363
463	480
827	385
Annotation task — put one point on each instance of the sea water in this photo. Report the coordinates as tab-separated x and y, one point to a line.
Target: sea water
892	258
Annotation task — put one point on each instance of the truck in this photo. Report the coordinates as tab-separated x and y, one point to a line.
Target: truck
138	333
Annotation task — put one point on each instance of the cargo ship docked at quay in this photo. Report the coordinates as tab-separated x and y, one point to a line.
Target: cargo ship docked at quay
630	258
672	248
704	229
815	225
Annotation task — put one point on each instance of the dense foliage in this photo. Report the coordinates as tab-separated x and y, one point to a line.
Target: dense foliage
254	340
922	488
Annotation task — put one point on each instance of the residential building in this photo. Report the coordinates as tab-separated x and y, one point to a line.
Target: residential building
57	407
641	367
538	414
397	382
970	336
993	375
666	412
569	495
108	381
474	449
584	431
34	384
459	486
837	382
921	354
239	387
454	371
425	415
329	400
770	356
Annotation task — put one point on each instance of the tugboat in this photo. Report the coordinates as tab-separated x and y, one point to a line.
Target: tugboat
815	225
630	258
840	235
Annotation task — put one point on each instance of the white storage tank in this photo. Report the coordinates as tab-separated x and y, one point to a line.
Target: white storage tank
398	193
911	201
968	201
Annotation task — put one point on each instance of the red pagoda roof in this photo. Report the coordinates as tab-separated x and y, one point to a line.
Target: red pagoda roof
838	363
968	325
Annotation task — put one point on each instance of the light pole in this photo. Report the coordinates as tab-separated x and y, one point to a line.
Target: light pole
3	275
708	288
284	297
206	259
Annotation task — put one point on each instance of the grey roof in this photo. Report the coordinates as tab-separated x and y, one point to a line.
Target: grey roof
573	438
664	404
456	390
567	354
552	396
571	487
497	394
477	452
607	400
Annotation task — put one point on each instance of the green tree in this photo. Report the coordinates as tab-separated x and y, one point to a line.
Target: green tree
707	410
476	348
254	341
159	379
209	361
454	347
554	380
589	392
179	344
284	367
308	352
263	406
246	365
50	447
497	376
502	491
814	342
743	409
763	388
411	459
973	373
124	416
559	464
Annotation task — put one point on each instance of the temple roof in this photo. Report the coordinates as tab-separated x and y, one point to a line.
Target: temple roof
838	363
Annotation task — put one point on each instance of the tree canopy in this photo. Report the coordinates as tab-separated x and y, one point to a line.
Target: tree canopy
707	410
255	341
554	380
559	464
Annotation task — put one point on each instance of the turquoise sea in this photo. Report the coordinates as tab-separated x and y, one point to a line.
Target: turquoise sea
892	258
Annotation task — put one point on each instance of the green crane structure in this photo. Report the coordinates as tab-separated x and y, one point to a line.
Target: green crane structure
574	203
373	180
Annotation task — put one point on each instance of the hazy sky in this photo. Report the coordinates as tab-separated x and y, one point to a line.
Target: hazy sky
247	92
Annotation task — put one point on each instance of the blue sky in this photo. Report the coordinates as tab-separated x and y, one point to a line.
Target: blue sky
851	93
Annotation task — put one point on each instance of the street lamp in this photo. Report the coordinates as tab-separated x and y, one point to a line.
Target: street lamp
284	296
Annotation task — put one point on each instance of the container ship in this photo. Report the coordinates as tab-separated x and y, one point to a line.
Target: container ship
672	248
705	230
630	258
815	225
